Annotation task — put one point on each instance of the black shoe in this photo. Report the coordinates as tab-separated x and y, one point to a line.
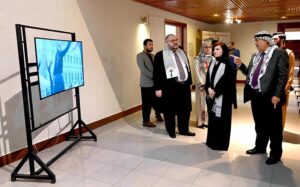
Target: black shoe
255	151
272	160
206	126
149	124
159	118
172	135
188	133
201	126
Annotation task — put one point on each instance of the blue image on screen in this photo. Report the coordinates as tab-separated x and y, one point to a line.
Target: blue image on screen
60	65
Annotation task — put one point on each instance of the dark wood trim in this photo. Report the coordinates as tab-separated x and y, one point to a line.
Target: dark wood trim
291	44
241	81
176	23
182	27
282	26
16	155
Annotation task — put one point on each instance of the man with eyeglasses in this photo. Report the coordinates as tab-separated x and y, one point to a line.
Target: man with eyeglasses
172	82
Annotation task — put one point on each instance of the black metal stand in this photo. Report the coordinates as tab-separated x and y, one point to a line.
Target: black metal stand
80	123
29	114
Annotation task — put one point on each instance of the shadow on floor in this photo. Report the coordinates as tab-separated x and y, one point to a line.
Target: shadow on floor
290	137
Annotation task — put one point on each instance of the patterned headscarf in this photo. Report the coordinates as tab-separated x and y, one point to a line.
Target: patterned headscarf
279	35
264	35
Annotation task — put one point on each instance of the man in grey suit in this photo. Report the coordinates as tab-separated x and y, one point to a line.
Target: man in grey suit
145	62
266	77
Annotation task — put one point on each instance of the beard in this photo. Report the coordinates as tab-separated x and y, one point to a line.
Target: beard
149	50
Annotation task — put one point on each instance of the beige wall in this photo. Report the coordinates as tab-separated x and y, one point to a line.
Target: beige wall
112	36
98	99
116	29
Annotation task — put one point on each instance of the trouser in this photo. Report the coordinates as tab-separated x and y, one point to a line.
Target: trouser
284	108
183	119
268	124
234	96
149	100
202	116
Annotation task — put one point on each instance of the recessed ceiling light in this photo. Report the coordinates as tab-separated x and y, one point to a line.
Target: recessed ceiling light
283	17
216	15
238	21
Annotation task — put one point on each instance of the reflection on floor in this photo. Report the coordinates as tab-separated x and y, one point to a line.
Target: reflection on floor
128	154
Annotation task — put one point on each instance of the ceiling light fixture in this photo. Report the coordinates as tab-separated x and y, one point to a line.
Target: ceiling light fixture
228	14
144	20
229	18
238	21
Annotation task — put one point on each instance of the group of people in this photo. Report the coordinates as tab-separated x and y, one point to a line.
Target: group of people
268	80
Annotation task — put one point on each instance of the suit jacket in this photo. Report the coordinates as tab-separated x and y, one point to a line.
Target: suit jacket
146	68
175	97
273	82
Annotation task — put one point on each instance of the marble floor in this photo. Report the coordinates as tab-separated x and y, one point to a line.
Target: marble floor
130	155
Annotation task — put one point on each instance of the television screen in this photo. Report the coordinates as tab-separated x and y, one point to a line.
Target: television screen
60	65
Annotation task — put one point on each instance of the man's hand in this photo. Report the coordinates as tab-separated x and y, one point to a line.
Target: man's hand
211	93
237	60
158	93
275	101
200	86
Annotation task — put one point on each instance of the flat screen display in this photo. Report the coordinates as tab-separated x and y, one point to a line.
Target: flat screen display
60	65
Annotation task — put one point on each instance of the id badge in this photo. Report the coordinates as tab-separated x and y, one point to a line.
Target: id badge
171	73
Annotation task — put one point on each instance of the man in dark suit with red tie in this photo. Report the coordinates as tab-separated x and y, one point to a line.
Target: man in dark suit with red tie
267	75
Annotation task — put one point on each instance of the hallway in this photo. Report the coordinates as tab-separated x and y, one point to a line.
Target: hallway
130	155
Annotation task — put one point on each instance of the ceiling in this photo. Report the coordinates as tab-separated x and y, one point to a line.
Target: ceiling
245	10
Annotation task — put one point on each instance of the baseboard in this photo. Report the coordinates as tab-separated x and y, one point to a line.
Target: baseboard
241	81
17	155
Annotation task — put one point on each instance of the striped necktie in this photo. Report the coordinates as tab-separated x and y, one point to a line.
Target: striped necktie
180	68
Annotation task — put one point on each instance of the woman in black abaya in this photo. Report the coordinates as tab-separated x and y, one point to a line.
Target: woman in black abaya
219	88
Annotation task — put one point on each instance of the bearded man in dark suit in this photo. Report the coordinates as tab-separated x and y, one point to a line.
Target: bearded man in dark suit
172	82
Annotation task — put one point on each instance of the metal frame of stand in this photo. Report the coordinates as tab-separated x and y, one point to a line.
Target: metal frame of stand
27	83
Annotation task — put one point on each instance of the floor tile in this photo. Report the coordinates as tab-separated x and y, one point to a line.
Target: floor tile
138	179
154	167
110	174
213	179
182	173
166	182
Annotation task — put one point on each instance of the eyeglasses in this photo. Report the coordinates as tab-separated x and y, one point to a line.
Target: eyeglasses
174	40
